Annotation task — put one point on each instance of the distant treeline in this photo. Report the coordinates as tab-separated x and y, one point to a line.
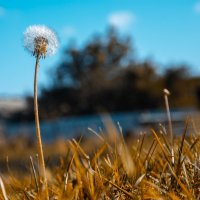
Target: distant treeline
104	76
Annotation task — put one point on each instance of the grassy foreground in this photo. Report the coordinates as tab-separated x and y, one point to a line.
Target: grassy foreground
111	167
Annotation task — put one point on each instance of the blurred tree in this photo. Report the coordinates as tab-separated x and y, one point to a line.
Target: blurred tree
104	75
81	66
178	81
88	73
174	75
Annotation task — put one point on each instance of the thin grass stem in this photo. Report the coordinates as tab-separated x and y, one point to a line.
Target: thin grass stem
166	94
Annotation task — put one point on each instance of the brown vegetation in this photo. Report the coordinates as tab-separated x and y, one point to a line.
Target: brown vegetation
108	167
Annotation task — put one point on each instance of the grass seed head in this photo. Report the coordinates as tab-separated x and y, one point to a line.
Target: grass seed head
166	92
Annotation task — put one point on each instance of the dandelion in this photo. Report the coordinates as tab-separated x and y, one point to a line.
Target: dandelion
40	41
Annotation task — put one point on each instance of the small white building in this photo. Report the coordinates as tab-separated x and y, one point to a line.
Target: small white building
10	105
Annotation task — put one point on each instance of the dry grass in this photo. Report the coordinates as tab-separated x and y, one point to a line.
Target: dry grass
108	167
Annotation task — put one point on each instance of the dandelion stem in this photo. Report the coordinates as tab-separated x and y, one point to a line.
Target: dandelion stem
38	135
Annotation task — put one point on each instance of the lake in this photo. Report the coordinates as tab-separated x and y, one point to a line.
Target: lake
78	125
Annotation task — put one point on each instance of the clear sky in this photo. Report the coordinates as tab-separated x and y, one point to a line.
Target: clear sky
168	31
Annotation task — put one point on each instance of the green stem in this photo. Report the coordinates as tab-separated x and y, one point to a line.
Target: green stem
38	135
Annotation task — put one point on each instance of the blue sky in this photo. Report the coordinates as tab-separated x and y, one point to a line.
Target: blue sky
167	31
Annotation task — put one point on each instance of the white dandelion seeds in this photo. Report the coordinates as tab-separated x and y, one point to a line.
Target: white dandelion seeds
40	40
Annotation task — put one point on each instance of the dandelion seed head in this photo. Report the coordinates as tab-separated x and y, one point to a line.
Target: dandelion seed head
40	40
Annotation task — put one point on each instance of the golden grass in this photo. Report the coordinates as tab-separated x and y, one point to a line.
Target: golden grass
110	167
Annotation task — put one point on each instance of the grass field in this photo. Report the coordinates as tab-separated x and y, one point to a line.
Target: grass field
107	166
